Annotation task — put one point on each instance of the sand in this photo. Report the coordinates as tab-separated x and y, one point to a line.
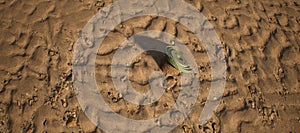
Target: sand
261	41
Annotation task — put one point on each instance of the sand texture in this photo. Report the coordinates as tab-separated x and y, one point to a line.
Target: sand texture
262	48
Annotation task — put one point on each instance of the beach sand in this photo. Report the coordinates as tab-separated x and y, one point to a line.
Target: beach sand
261	40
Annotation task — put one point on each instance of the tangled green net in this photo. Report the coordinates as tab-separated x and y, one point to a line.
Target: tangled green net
177	60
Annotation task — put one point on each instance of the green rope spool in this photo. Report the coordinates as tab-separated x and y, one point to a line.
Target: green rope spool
177	60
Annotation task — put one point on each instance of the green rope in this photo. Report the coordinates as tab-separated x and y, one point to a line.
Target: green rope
177	60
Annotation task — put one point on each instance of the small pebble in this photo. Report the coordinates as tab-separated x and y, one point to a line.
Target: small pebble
30	102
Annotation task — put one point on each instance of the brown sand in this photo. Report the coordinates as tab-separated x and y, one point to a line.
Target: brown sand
261	39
